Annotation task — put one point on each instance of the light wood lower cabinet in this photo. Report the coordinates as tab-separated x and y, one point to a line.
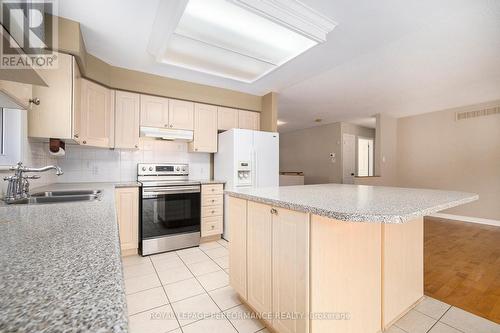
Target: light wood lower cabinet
269	262
259	255
127	106
290	285
237	218
127	215
212	209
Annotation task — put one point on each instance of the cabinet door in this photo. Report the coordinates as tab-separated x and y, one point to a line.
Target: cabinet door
237	221
181	114
154	111
127	214
227	118
259	245
53	117
205	129
290	269
126	120
96	115
19	94
249	120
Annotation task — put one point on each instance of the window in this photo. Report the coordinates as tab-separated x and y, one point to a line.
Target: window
365	157
11	135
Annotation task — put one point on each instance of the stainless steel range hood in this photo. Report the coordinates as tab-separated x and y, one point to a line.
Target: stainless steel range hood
167	133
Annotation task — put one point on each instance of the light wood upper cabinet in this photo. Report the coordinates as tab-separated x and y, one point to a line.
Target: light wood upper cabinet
227	118
94	125
205	129
126	120
181	114
127	214
259	260
54	117
15	95
290	269
249	120
154	111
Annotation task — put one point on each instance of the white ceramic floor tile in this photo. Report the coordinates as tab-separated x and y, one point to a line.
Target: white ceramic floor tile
134	260
223	242
216	324
195	308
141	283
241	318
217	252
192	258
432	307
204	267
265	330
164	256
469	323
442	328
214	280
225	297
167	263
223	262
415	322
210	245
174	274
131	271
146	300
227	271
188	251
183	289
393	329
158	320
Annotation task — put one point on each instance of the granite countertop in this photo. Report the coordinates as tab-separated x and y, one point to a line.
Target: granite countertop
209	181
61	265
357	203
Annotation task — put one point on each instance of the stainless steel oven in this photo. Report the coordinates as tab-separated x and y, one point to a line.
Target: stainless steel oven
170	208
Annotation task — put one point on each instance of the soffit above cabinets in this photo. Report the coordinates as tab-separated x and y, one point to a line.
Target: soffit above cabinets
237	39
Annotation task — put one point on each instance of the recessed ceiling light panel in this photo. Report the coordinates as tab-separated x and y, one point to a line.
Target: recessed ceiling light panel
238	39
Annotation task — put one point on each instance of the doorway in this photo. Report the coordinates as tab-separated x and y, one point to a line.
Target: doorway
365	157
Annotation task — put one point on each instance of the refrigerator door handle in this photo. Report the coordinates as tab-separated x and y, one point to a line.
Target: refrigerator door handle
254	168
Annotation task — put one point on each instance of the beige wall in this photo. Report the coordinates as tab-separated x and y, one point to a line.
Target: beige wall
435	151
308	150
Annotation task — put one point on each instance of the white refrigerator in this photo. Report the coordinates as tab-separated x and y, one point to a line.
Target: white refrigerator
246	158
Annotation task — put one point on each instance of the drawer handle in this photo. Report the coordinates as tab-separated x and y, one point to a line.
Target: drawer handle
213	189
213	227
213	211
274	211
213	200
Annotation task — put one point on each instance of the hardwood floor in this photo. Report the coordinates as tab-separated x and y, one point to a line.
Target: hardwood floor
462	265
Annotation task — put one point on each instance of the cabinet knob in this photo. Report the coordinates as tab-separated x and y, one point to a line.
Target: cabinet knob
166	125
84	142
136	146
213	189
213	212
171	125
213	200
196	149
274	211
213	227
76	135
35	101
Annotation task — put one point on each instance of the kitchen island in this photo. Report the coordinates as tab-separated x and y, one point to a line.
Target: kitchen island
331	258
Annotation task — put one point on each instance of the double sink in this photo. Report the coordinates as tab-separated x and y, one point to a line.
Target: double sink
61	196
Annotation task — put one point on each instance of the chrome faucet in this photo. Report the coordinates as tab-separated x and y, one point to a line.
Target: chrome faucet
19	186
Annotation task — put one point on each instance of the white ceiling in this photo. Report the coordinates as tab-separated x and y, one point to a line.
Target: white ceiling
393	56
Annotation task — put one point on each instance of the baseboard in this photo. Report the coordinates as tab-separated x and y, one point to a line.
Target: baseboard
467	219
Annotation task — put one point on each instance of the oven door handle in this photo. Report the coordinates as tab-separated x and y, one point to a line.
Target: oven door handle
157	191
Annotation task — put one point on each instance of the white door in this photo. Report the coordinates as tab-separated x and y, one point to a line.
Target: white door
365	157
348	158
266	159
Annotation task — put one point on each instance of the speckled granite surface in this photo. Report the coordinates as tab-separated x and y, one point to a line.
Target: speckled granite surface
357	203
61	267
209	181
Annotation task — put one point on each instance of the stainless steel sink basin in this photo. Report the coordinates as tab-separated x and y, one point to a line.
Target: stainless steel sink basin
66	193
61	196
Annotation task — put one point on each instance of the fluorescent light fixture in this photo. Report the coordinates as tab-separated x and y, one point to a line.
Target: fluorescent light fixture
237	39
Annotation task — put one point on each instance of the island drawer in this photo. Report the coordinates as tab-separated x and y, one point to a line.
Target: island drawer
209	211
212	200
212	189
211	226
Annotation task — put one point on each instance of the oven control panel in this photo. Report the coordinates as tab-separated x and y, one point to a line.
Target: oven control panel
153	169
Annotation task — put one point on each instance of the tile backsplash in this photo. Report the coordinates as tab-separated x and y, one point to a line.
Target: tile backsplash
87	164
